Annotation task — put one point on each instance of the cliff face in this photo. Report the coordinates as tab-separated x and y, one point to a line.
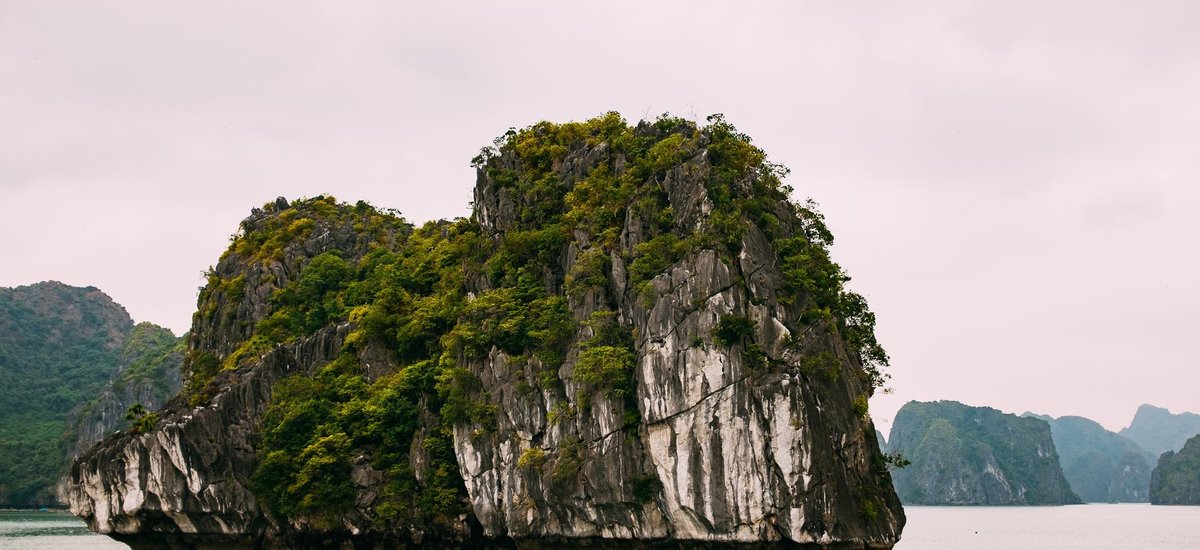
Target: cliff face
1158	430
1100	465
636	339
58	346
965	455
1176	479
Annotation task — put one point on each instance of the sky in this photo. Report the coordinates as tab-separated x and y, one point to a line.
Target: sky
1014	186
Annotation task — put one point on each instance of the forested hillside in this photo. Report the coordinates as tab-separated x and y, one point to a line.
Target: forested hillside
60	348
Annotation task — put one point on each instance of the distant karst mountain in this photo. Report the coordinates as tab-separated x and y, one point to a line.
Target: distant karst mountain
62	347
1100	465
963	455
1176	479
1157	430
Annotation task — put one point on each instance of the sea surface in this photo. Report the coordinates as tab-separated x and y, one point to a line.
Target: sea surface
1079	527
1084	527
27	530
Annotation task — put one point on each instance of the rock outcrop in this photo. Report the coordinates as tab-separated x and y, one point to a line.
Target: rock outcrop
636	341
1176	478
964	455
1100	465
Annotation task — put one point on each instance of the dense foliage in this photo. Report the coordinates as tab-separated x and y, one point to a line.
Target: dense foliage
58	347
406	298
439	296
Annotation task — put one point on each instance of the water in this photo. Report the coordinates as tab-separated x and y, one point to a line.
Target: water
1090	527
1083	527
26	530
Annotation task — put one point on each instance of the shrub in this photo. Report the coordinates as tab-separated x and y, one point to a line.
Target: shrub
733	329
532	459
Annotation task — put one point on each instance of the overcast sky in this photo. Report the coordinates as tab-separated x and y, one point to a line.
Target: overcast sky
1013	185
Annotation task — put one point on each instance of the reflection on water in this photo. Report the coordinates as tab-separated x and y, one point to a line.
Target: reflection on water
27	530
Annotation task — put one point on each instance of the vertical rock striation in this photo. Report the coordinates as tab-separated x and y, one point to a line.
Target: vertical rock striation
725	450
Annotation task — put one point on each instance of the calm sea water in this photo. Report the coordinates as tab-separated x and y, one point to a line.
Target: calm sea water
1088	527
46	530
1082	527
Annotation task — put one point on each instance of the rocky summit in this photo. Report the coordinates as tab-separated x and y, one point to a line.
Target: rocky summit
1159	430
635	341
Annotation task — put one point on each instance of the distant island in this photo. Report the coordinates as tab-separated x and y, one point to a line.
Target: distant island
963	455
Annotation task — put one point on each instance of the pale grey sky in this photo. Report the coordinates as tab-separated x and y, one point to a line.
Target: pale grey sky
1013	185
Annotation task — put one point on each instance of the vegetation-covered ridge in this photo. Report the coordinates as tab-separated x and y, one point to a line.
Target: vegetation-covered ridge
426	301
964	455
1176	479
58	346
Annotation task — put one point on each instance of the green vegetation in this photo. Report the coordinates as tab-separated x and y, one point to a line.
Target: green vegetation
859	406
141	420
606	360
734	329
533	458
408	298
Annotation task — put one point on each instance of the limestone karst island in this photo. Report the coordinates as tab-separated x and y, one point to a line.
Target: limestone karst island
635	341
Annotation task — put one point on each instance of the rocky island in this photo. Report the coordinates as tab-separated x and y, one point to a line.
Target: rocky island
635	341
963	455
